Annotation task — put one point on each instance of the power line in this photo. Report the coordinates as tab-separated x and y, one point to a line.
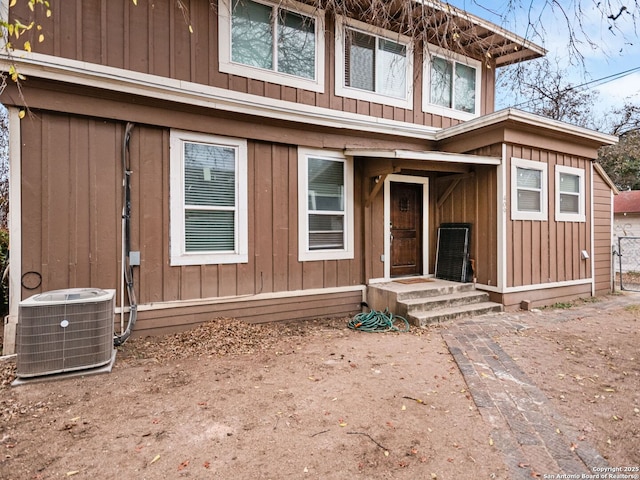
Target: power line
598	82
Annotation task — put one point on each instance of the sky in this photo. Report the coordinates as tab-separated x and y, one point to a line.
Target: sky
617	51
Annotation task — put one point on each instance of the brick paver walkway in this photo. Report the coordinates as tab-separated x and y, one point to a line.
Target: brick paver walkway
532	435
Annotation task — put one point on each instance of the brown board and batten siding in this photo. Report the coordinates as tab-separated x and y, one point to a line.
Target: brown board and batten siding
153	38
72	198
474	201
602	226
72	236
70	208
547	252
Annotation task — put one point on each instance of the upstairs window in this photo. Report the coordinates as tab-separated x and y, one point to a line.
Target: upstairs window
570	197
325	205
452	85
268	42
373	65
208	199
528	190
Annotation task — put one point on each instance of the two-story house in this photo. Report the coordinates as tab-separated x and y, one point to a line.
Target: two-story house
280	157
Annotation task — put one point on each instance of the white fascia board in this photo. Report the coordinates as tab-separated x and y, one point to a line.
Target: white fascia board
492	27
605	176
431	156
525	118
76	72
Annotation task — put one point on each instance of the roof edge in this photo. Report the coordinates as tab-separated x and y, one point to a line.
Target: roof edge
537	50
605	176
526	118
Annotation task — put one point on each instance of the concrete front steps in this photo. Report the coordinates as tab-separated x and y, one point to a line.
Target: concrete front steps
427	301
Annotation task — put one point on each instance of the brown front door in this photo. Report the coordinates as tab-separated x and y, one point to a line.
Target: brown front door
406	229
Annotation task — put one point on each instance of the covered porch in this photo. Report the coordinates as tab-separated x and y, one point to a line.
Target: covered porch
409	195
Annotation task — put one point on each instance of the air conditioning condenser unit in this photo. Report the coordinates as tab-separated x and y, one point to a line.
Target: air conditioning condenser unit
65	331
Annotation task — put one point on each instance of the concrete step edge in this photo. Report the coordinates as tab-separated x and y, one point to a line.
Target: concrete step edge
422	318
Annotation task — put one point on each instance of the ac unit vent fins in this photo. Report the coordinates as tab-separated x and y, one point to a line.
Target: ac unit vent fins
65	330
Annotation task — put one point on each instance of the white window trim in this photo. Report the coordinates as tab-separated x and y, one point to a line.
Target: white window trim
344	91
304	254
544	189
178	253
427	106
571	217
226	65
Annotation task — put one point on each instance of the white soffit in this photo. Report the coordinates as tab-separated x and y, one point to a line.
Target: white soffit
426	156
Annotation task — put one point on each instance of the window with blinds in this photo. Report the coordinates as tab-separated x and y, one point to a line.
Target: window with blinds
325	180
529	185
375	64
569	186
208	199
570	195
528	190
326	203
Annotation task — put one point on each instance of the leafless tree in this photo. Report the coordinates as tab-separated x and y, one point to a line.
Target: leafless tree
542	88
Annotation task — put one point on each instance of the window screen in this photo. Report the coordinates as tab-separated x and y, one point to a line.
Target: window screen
569	193
392	68
326	204
209	197
453	84
375	64
441	82
465	88
529	190
360	54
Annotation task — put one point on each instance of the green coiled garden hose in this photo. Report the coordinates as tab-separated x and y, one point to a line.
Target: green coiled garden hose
375	321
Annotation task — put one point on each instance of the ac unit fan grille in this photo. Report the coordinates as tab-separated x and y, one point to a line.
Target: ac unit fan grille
64	337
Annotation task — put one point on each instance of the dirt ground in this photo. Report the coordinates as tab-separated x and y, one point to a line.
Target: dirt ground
315	400
586	359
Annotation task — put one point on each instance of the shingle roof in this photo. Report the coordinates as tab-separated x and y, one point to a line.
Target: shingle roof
627	202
